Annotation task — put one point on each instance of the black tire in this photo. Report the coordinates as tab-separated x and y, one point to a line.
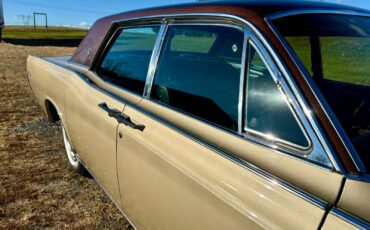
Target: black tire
73	160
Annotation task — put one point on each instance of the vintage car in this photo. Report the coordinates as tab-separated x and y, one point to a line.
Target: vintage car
223	115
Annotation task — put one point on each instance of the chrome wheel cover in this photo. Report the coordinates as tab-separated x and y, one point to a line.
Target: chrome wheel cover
72	158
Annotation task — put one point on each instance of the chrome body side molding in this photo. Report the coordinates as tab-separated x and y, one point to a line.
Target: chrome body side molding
355	221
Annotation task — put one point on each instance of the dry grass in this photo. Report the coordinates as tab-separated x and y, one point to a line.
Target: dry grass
37	187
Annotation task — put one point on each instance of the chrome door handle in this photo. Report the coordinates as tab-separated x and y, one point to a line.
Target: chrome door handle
111	112
121	117
124	119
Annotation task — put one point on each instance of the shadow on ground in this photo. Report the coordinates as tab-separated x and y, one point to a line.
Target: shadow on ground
44	42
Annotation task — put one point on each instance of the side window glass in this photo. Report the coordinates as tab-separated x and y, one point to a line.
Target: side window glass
127	61
267	111
199	72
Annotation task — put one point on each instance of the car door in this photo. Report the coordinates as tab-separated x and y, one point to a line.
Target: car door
94	111
92	132
204	157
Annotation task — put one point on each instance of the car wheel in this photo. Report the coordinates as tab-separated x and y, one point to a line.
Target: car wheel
72	157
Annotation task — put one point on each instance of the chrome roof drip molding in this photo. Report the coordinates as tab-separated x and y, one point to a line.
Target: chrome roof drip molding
329	113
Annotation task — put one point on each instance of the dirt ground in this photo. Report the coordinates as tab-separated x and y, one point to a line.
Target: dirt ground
37	187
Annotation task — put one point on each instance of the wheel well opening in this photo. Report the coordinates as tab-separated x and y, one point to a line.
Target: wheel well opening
51	111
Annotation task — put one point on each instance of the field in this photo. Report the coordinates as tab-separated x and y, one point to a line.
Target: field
37	187
345	59
53	33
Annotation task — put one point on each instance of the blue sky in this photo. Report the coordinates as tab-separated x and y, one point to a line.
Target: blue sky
82	13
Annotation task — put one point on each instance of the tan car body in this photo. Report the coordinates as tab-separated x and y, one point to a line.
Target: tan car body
181	172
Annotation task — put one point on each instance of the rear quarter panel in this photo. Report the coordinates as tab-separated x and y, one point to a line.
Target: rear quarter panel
47	82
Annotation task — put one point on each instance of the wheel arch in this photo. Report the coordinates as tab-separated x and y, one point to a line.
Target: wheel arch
51	111
54	115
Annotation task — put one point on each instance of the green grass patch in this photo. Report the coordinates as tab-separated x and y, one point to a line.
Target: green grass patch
345	59
53	33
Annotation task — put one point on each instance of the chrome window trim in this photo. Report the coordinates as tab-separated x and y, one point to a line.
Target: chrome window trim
265	144
320	98
159	44
248	166
351	219
154	60
363	178
274	72
174	23
315	150
242	80
112	39
242	69
232	19
312	152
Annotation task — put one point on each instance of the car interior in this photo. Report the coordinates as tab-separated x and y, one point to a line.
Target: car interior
126	69
203	84
351	105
